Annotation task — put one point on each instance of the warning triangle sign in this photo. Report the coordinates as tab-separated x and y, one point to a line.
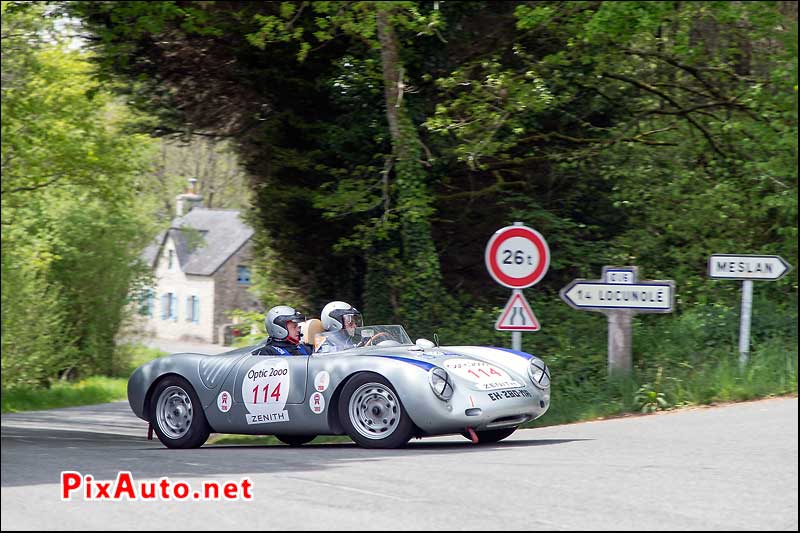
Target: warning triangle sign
517	316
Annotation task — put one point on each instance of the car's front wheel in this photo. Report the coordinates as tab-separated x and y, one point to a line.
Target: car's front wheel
295	440
372	414
176	414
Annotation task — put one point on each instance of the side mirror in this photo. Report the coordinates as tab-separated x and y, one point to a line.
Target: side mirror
424	344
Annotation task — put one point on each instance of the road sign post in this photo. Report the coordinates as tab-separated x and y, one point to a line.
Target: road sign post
746	268
619	295
517	257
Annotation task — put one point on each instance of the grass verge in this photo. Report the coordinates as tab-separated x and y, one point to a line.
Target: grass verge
88	391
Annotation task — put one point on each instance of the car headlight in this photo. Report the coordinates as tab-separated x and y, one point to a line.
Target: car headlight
539	373
441	383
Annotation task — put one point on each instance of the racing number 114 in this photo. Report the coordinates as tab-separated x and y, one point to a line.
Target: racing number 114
276	393
484	372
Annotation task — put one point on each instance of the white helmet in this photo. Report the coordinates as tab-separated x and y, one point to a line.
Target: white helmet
338	315
276	320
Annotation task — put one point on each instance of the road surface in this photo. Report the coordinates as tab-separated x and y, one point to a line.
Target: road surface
732	467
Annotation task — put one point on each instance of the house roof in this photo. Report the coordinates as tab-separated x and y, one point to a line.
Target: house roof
204	239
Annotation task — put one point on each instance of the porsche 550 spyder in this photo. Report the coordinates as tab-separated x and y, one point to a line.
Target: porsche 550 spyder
381	392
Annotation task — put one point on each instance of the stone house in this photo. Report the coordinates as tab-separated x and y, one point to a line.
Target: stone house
201	268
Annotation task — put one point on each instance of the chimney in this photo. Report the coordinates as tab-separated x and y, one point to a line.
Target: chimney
188	200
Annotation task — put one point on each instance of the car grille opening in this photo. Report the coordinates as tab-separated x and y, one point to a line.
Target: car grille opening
504	421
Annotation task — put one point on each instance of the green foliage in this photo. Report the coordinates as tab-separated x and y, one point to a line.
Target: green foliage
679	360
631	133
130	356
72	224
486	107
650	398
87	391
250	321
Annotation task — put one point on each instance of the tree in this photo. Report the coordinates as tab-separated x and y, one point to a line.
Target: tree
620	130
72	222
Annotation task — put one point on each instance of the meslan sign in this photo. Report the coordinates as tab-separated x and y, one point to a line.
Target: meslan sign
759	267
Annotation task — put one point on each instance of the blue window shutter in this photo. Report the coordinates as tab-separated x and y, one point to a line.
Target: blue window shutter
164	306
189	309
196	309
173	308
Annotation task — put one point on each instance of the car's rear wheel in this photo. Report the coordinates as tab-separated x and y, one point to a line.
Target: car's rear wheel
177	415
295	440
490	436
372	414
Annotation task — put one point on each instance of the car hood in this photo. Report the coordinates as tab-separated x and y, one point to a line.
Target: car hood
456	359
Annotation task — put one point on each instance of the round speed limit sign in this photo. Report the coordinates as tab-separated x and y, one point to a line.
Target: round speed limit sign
517	257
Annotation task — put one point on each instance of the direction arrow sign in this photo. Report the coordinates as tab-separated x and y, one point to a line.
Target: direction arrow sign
762	267
653	297
517	316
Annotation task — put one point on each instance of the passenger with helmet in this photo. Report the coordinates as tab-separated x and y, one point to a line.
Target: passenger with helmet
283	327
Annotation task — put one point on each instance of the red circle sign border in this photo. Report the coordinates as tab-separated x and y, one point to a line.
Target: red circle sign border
503	235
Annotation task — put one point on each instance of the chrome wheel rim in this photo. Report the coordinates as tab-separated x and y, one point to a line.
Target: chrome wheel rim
374	411
174	412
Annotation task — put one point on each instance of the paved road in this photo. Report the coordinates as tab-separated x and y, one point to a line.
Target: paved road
723	468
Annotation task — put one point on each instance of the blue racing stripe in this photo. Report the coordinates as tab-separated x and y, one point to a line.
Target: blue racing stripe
421	364
515	352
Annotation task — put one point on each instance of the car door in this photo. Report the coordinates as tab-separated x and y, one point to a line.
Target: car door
258	393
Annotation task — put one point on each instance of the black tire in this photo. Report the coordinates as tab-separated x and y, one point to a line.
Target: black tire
170	426
394	427
295	440
491	436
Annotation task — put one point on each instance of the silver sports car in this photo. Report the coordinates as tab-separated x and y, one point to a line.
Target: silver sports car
378	387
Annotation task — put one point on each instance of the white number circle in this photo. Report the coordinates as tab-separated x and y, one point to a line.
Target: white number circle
517	257
265	386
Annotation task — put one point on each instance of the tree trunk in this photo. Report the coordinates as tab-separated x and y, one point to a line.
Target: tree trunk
421	288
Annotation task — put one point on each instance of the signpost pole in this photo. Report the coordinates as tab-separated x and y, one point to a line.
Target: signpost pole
620	358
516	336
744	324
516	340
619	294
746	267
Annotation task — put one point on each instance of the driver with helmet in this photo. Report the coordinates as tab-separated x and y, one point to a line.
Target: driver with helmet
283	327
341	319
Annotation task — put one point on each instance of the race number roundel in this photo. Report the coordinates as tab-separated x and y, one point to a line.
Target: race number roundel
517	257
265	386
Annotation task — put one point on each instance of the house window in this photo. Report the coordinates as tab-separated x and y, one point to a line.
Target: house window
169	306
192	309
243	275
170	259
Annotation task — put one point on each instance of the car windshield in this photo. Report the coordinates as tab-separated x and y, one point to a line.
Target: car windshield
383	336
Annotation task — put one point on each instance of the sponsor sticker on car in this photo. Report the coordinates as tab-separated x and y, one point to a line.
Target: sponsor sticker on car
265	388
